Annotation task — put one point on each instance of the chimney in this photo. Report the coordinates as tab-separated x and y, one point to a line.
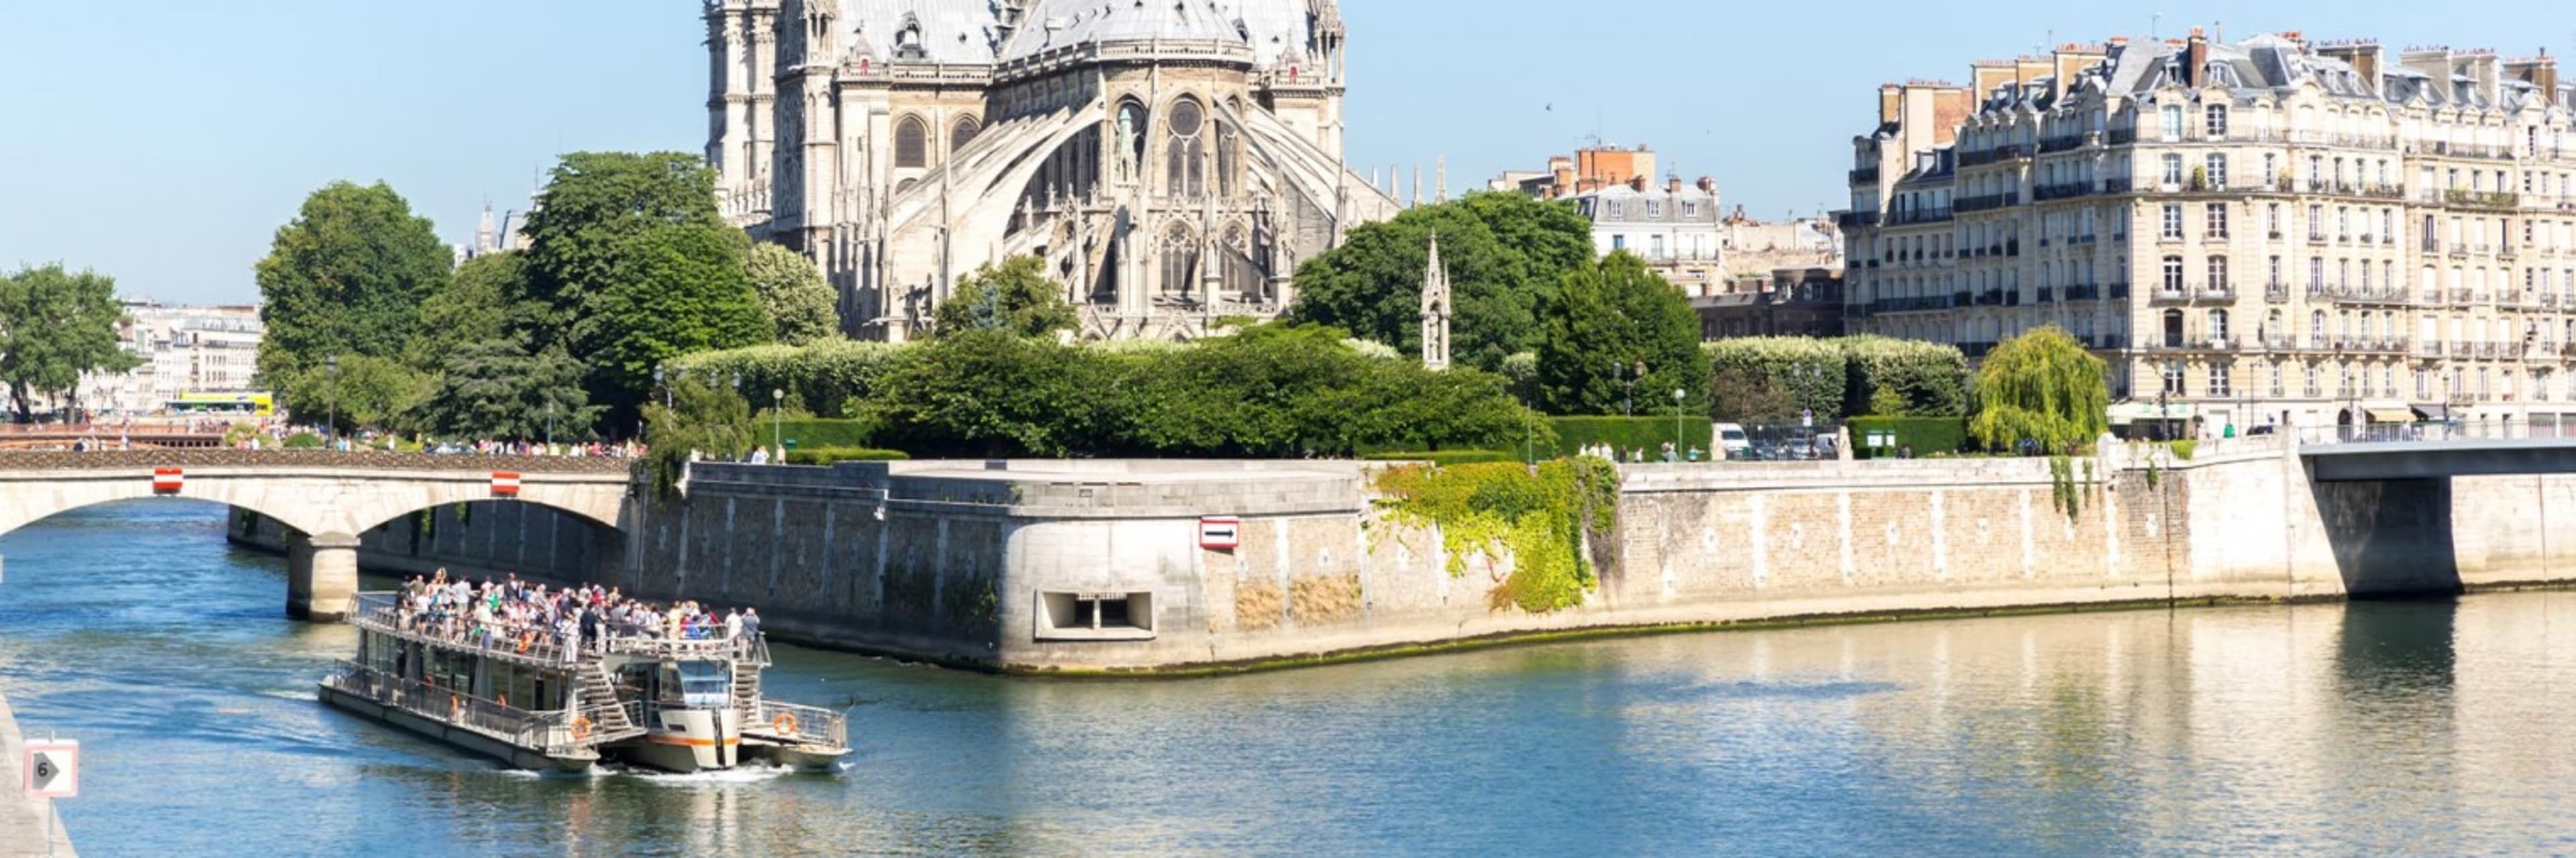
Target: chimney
1889	103
2074	59
2028	70
2361	54
1985	75
2195	59
1673	184
1707	185
1637	183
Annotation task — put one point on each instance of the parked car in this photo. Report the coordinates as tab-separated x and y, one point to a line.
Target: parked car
1731	438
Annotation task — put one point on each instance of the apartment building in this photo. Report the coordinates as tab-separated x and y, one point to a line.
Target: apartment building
2267	232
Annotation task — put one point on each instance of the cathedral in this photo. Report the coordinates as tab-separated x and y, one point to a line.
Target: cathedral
1172	161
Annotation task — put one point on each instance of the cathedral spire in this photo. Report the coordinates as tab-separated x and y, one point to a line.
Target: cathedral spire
1435	310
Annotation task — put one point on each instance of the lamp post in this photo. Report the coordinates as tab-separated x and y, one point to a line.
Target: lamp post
550	427
778	423
1678	445
666	389
331	367
1628	382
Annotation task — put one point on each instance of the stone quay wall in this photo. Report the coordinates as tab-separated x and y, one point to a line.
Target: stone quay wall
1097	566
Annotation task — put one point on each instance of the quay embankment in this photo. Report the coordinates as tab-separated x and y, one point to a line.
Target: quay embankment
26	824
1116	567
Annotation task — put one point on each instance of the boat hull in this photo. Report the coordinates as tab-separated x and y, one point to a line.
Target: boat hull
455	736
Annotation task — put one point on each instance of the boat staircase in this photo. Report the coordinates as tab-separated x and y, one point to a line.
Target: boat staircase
611	720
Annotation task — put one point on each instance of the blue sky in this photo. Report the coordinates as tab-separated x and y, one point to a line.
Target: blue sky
164	141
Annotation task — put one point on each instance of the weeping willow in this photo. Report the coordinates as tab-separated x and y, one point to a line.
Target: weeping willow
2040	387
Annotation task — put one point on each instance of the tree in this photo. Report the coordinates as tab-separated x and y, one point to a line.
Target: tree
477	306
346	277
2042	388
629	265
1014	297
1609	318
992	394
55	326
679	290
496	390
1505	254
702	420
799	304
363	392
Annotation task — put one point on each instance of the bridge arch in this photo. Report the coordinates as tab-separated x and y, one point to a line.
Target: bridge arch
328	500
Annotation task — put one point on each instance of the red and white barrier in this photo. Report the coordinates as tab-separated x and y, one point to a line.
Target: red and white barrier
167	481
505	484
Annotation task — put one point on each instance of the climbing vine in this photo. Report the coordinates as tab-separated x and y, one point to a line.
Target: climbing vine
2069	496
1541	516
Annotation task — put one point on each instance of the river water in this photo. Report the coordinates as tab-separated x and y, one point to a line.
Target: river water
2371	729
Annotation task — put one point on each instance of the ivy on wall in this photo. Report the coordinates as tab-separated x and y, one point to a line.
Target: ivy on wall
1540	516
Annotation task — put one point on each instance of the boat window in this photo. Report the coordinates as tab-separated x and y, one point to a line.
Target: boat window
703	684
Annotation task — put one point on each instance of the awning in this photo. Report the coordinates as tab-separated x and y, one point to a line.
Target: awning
2389	411
2125	413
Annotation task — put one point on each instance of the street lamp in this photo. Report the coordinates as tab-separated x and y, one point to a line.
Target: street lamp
778	423
550	427
331	367
1628	381
1678	445
666	389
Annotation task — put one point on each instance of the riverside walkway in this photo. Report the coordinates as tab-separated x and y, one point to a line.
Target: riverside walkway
23	823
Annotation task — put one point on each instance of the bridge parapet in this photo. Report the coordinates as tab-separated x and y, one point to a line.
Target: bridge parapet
126	460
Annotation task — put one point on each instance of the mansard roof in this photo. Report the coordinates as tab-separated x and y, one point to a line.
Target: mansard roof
1273	29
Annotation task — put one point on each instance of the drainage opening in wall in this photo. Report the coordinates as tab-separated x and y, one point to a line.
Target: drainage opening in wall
1095	616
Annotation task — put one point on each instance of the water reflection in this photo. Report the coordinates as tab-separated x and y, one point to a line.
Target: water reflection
2373	729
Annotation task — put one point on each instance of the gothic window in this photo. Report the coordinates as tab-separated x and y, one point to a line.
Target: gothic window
1241	270
963	133
911	143
1186	173
1180	263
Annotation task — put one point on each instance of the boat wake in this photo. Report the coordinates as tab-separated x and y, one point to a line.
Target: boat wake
752	773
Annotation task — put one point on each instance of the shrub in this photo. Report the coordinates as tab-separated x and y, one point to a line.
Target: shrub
1772	379
1446	458
2184	448
1929	436
822	378
818	433
303	441
827	456
1629	433
1919	379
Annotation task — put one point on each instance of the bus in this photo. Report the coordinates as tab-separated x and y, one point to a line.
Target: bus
224	404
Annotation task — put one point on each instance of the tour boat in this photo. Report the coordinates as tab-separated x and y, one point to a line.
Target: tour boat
682	705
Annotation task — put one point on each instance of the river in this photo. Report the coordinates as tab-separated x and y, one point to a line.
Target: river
2412	728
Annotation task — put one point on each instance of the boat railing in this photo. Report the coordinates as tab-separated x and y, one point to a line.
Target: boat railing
806	724
384	612
556	732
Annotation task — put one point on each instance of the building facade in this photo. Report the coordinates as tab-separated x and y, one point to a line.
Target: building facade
2268	232
1785	302
1171	162
185	350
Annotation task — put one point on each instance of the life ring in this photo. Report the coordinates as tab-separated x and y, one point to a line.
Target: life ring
785	722
581	728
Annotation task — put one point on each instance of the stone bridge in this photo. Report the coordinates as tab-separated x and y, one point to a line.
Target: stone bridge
327	497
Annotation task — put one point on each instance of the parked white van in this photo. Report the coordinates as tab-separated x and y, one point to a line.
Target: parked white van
1732	440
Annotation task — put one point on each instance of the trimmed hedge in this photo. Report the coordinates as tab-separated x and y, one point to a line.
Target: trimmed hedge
1931	378
1446	458
1927	435
1629	433
1812	373
826	456
820	433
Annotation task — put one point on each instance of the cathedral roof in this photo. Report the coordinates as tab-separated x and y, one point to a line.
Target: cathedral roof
946	31
1271	28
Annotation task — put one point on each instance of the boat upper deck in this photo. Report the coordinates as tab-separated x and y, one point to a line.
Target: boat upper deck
537	645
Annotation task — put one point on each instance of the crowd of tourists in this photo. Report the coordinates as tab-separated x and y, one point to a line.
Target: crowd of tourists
515	615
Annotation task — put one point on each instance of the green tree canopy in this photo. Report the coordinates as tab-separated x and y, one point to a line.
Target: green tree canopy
496	390
1609	318
991	393
363	392
2041	387
632	266
708	420
346	277
477	306
793	294
1505	253
54	326
1014	297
